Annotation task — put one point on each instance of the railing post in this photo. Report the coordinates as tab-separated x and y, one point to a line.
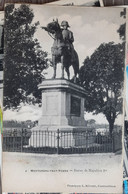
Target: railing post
21	140
13	136
58	138
86	141
14	140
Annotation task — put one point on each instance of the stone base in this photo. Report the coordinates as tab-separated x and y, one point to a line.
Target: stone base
62	103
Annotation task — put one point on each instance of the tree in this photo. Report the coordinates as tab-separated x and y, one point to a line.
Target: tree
102	76
122	27
24	59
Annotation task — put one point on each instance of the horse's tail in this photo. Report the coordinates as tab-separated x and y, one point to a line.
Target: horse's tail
76	63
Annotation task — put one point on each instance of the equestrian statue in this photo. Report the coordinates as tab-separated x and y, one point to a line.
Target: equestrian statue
63	50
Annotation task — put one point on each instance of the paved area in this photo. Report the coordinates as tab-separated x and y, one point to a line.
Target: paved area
94	173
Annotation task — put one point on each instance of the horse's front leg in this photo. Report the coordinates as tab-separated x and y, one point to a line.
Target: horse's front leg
62	66
54	66
68	76
68	73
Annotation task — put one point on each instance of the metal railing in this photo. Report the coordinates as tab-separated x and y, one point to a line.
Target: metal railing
60	142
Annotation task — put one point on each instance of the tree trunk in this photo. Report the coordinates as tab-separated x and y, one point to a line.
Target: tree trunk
111	127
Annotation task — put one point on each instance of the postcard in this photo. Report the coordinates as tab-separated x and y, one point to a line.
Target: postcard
63	99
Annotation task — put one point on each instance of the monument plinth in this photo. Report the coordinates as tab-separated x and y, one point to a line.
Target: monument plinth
62	105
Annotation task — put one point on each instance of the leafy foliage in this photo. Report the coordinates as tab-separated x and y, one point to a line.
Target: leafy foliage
102	76
24	59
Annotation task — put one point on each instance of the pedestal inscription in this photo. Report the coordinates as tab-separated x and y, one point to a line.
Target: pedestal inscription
75	106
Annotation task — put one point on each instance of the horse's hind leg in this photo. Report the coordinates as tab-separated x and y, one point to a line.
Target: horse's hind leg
75	73
75	65
62	66
54	66
68	73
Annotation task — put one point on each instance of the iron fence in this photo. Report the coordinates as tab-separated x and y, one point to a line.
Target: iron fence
60	142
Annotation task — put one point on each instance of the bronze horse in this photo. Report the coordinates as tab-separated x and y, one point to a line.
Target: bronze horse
60	51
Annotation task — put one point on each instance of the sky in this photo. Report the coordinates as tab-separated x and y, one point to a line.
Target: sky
90	26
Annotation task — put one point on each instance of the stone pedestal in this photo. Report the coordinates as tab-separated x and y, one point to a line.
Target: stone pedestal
62	116
62	105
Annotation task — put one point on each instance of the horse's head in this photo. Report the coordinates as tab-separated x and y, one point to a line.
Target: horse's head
53	27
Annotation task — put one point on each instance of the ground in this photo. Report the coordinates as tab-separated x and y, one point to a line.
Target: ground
23	172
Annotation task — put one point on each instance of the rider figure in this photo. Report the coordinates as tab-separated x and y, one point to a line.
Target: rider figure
68	37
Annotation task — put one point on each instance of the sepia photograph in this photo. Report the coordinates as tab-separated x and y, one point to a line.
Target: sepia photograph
1	55
126	129
3	2
63	99
114	2
93	3
1	89
126	118
126	150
